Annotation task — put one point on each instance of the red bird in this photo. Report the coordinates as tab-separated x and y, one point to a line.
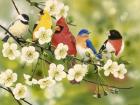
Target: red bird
114	43
63	35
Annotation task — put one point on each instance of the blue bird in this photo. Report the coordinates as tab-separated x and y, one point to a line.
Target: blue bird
83	43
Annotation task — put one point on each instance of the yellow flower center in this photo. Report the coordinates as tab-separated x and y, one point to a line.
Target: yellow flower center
62	11
52	7
21	92
29	54
78	74
62	52
10	52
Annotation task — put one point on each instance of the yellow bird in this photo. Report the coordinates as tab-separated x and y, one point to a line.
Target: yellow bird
44	21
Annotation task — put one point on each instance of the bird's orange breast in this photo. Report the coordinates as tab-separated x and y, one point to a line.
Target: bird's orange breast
81	41
117	44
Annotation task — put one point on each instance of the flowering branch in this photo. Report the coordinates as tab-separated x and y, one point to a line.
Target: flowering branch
20	42
10	91
37	45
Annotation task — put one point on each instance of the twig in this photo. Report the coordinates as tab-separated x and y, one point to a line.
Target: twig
107	85
72	24
10	34
9	90
45	60
80	60
14	97
15	7
26	101
34	70
35	4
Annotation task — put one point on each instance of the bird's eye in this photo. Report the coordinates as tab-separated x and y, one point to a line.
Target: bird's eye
57	28
26	17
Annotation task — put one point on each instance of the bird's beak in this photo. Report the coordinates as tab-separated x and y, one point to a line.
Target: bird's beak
108	33
89	33
57	28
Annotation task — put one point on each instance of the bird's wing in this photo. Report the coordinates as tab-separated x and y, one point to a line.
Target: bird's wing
12	23
5	39
103	47
73	39
90	45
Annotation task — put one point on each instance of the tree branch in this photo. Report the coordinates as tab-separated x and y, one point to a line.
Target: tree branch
107	85
26	101
11	34
45	60
35	4
10	91
14	96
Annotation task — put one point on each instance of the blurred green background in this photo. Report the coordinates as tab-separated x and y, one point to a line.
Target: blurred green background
98	16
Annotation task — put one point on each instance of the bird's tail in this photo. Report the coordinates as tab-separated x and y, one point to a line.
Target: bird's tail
5	39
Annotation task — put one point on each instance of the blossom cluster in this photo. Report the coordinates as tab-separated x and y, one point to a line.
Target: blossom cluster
8	78
111	67
56	74
28	54
43	35
77	73
56	8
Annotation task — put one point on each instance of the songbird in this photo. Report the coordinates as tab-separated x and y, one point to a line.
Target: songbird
63	35
44	21
19	26
83	43
114	43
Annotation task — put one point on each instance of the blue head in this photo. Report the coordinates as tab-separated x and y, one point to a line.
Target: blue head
83	32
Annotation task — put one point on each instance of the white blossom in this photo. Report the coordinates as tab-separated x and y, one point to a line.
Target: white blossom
7	78
43	35
120	72
63	9
29	54
110	67
20	91
28	81
52	7
46	82
61	51
77	73
89	53
56	9
10	51
57	71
